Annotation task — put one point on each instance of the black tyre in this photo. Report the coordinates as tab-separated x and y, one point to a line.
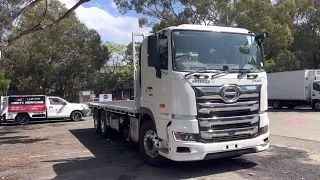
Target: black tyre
23	119
148	145
276	105
96	121
316	105
76	116
105	128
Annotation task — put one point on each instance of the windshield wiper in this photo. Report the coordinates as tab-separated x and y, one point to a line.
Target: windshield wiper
245	71
222	72
202	71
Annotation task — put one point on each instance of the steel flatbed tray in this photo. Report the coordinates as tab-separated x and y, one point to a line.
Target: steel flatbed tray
116	106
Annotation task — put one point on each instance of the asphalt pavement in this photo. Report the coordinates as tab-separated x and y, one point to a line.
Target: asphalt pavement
71	150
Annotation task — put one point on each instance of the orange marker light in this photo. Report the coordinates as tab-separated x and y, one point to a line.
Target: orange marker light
162	105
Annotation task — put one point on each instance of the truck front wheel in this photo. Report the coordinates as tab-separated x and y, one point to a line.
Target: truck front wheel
148	145
316	105
276	105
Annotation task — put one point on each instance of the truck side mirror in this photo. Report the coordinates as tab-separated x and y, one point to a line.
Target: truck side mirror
263	36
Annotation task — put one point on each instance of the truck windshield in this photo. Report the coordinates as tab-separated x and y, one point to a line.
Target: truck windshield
195	50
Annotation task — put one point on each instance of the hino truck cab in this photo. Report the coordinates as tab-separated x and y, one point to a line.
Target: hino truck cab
200	93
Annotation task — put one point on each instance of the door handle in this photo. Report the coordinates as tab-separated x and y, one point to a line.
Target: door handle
149	87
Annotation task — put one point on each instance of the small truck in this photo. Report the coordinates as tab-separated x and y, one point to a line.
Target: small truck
25	108
294	88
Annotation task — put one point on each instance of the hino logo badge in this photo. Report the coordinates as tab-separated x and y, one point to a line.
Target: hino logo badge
203	81
230	94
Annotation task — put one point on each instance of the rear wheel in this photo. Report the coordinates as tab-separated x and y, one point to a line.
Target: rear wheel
148	145
76	116
96	121
23	119
105	129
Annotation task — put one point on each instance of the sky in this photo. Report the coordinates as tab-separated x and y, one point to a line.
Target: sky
103	16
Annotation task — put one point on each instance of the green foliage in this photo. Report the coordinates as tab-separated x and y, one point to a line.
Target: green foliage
61	61
4	83
295	25
269	65
119	68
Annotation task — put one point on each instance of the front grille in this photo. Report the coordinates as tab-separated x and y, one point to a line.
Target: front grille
221	120
231	138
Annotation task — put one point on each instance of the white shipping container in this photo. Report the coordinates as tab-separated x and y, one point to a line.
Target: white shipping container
290	85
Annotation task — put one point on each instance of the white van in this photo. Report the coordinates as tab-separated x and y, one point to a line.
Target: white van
24	108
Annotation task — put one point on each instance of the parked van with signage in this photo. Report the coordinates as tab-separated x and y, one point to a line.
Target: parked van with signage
25	108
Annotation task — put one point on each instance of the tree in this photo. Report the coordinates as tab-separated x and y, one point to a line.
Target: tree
61	60
279	17
4	83
13	10
306	36
118	57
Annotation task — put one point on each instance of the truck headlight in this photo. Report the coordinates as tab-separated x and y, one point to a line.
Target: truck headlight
264	129
179	136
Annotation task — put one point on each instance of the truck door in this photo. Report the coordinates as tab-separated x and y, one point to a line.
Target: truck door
155	88
56	108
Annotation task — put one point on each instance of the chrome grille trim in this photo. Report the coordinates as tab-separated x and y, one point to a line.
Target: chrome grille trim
242	96
209	122
207	98
231	107
229	132
221	120
229	128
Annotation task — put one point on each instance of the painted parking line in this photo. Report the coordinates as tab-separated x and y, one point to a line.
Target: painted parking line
295	122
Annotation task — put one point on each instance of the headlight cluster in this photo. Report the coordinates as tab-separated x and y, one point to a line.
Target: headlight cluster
84	106
179	136
264	129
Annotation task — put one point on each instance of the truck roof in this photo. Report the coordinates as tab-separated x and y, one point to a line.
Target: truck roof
210	28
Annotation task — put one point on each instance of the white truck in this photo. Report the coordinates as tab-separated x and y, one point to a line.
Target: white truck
24	108
199	93
294	88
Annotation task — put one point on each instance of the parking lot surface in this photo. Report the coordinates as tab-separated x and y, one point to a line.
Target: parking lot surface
71	150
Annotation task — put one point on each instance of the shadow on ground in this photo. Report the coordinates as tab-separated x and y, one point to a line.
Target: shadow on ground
35	122
113	160
299	110
20	140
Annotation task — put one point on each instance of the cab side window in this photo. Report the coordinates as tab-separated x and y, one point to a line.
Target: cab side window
163	52
316	86
55	101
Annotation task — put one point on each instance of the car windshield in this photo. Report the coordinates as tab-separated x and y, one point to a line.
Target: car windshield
195	50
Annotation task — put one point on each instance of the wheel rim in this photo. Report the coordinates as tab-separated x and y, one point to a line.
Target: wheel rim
23	120
317	105
77	116
151	143
275	104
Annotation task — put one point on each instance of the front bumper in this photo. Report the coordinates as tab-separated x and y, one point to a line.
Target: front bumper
203	151
85	112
